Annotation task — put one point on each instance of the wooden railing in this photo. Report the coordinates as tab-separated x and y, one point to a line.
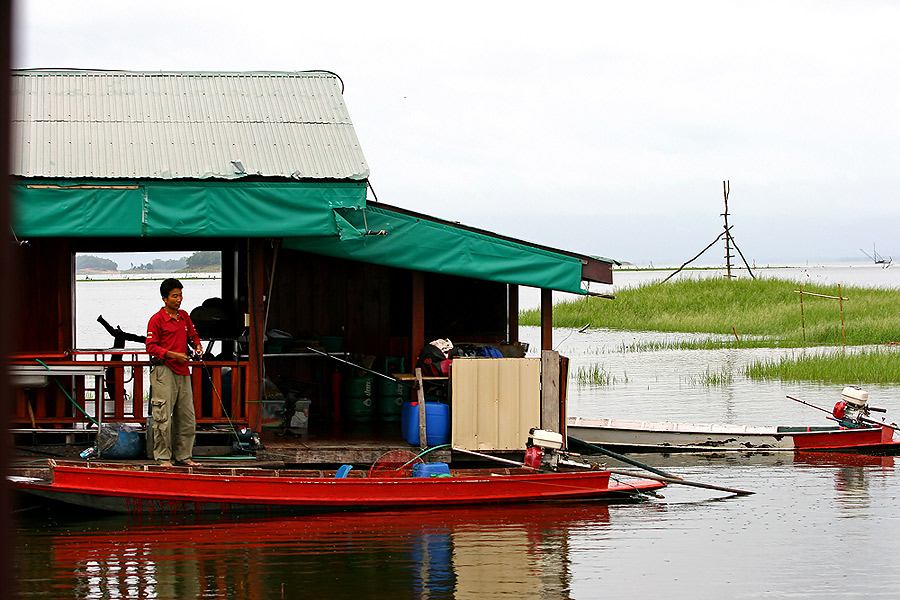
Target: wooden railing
70	400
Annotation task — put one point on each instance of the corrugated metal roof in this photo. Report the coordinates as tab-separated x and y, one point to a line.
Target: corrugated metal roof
123	124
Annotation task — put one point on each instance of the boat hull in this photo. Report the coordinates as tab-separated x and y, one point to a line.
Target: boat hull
642	436
188	491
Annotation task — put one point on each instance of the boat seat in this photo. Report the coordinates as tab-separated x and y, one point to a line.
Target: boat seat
343	471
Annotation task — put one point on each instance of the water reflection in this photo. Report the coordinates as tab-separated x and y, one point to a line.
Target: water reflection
488	552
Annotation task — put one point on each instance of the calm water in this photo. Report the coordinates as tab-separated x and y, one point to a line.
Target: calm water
818	527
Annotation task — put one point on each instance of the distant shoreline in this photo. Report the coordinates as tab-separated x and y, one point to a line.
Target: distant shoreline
104	276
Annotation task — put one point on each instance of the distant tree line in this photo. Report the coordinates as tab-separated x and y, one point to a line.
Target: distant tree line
160	264
95	263
205	260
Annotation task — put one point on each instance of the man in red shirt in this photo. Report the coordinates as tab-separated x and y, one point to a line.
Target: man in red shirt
169	333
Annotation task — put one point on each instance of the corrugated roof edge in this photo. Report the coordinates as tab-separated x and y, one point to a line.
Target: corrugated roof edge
173	73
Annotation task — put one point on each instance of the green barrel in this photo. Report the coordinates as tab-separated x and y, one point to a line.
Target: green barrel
359	394
390	398
390	395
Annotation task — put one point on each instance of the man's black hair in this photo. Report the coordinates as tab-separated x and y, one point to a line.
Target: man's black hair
166	287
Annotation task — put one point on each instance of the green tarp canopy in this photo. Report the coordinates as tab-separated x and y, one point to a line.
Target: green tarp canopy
329	218
115	208
415	243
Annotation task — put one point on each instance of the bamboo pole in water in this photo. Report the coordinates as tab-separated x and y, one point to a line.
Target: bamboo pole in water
843	335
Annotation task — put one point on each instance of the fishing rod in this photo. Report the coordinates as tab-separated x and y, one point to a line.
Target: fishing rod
824	410
362	368
860	419
195	355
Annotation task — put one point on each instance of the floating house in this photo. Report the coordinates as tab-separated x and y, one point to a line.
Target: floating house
265	168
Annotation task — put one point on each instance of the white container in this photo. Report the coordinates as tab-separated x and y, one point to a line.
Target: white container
547	439
855	396
300	418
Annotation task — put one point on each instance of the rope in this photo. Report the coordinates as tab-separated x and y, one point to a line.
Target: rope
423	453
99	400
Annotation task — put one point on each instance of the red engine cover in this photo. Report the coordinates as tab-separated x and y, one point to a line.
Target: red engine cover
533	457
838	410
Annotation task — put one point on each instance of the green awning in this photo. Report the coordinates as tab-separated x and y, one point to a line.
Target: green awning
114	208
424	245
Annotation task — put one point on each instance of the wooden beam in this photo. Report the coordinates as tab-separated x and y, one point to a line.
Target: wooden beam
563	396
546	319
66	296
255	294
550	404
423	414
513	299
418	314
596	270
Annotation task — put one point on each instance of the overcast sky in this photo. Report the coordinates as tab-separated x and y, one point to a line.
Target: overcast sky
600	127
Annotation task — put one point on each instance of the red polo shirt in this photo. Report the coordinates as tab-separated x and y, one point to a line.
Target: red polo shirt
165	332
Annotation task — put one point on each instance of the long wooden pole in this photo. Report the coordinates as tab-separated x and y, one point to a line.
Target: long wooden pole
699	254
423	414
494	458
726	188
620	457
669	480
841	296
802	319
697	484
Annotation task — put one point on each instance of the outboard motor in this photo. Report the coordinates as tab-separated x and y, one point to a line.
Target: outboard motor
852	409
540	440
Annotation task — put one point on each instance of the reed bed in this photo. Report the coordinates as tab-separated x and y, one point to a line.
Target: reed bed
720	377
870	365
597	375
754	313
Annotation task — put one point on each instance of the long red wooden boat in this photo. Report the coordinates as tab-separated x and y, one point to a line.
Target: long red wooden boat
150	490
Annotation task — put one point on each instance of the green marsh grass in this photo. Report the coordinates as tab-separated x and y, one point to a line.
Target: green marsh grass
764	313
710	378
875	365
596	375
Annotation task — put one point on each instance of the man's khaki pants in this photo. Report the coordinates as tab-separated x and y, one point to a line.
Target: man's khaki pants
172	409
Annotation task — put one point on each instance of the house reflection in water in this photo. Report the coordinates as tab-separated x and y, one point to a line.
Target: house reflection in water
520	551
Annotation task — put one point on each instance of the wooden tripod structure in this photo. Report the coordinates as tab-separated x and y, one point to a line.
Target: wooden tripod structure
729	242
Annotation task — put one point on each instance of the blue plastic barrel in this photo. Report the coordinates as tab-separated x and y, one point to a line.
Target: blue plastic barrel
437	423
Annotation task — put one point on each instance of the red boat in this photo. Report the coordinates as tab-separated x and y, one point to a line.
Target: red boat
151	490
856	432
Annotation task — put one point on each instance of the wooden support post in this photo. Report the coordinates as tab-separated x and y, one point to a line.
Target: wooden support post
550	390
420	392
197	390
137	391
563	396
236	379
117	374
217	391
255	295
513	304
546	319
418	314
